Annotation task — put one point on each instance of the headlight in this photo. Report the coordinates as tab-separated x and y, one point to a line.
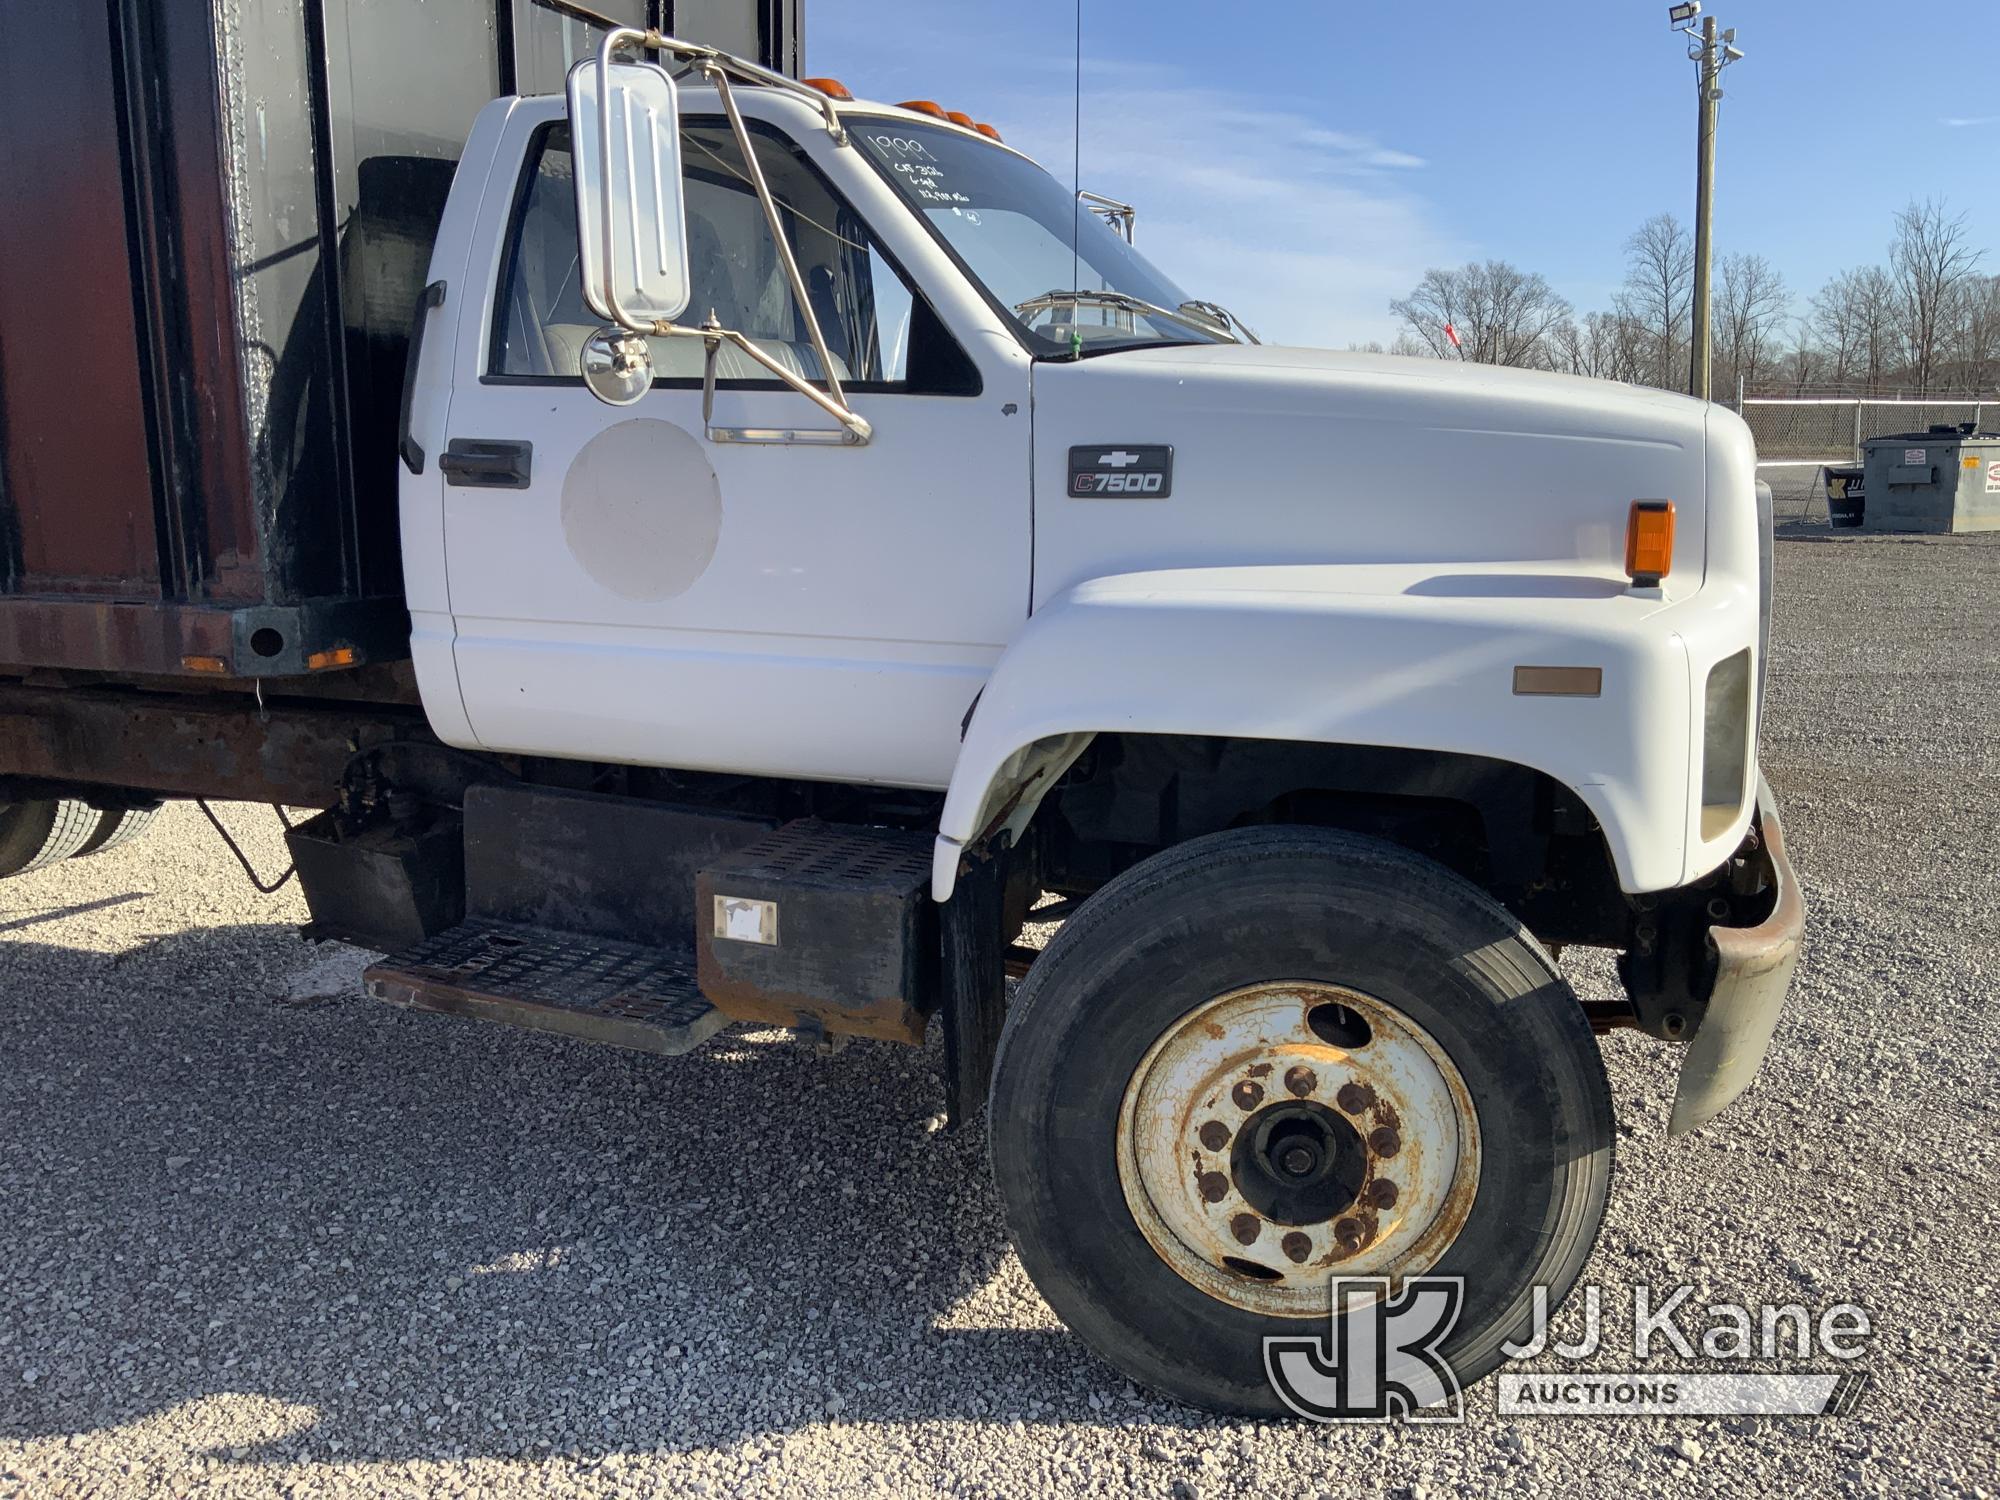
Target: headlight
1725	743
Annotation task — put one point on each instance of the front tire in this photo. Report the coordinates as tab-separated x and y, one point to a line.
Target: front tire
1275	1055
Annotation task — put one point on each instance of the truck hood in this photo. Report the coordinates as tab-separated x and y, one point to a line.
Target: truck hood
1285	455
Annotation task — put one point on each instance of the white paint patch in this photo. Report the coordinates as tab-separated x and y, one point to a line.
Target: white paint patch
641	509
334	974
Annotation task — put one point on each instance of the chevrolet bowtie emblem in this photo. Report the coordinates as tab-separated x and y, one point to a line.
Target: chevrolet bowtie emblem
1118	458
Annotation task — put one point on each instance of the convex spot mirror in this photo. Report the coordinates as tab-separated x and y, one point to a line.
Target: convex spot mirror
631	219
617	365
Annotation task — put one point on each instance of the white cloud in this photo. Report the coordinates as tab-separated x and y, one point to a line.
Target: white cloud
1959	122
1302	225
1304	230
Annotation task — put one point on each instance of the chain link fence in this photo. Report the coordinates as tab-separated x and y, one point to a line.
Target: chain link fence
1797	437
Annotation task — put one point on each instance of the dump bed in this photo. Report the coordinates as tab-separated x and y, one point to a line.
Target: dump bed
215	219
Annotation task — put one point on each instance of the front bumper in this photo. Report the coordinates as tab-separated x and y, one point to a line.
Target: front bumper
1753	973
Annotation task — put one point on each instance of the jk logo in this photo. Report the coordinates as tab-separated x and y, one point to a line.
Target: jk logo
1382	1357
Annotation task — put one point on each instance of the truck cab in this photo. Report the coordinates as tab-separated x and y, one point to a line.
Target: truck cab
733	592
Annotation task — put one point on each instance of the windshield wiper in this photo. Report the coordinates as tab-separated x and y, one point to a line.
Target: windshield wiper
1223	316
1198	320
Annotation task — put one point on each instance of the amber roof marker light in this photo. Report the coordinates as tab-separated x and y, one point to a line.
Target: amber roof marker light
1649	542
833	88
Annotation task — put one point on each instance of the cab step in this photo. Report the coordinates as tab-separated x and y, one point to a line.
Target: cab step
593	988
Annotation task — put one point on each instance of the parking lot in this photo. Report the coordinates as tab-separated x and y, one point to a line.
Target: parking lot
258	1233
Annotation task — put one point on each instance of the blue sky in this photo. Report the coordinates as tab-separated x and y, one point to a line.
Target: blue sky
1305	162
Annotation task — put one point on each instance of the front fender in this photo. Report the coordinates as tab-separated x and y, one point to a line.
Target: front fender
1412	656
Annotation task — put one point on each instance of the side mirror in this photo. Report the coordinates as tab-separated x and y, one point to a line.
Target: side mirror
631	219
617	366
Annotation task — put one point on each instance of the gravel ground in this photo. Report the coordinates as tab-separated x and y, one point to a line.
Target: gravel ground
258	1234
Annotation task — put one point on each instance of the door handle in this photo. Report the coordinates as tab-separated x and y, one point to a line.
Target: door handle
488	463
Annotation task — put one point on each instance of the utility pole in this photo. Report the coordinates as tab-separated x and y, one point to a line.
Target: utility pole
1704	208
1711	51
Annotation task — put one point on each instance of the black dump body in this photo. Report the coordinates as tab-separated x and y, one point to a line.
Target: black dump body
215	220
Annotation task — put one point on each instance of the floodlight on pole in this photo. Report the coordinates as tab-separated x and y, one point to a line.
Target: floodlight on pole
1680	15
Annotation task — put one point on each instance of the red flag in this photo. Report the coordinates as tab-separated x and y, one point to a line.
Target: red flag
1452	334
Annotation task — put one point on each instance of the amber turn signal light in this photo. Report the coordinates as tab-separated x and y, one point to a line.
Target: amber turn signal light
1649	542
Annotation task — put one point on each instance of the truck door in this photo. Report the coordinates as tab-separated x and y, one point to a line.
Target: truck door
625	587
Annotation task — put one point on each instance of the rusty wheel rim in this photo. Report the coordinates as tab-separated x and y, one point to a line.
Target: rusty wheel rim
1285	1133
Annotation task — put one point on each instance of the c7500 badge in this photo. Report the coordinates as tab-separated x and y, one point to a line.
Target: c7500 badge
1132	471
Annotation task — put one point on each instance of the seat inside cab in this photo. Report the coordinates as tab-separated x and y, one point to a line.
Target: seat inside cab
734	269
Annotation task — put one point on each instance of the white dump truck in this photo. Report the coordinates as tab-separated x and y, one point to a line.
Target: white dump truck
827	550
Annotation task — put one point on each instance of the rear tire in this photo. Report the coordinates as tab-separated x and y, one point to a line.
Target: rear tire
33	834
1518	1136
117	827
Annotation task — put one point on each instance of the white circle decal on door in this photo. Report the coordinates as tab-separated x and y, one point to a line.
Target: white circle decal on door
641	510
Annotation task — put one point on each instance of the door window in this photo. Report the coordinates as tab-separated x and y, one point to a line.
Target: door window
881	334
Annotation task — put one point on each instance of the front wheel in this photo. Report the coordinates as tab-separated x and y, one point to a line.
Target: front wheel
1274	1056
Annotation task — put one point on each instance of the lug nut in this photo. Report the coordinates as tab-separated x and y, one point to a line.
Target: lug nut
1347	1234
1301	1080
1383	1141
1214	1135
1213	1185
1354	1097
1248	1094
1246	1228
1382	1193
1296	1246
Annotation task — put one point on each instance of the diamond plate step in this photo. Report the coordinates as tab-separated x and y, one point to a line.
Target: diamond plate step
597	989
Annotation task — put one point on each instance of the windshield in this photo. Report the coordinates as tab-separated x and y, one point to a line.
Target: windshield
1010	224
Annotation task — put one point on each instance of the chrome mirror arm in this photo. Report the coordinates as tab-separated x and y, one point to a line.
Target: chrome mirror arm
706	59
713	71
1122	217
715	66
854	428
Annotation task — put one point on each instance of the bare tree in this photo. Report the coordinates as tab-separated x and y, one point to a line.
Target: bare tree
1974	347
1576	348
1878	325
1803	362
1606	345
1501	314
1931	261
1856	323
1402	344
1751	308
1658	294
